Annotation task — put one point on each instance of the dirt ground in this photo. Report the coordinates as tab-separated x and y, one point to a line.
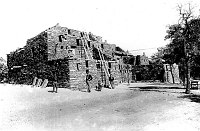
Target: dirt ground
137	107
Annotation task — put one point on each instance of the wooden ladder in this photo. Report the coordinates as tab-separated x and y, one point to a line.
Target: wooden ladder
103	62
86	48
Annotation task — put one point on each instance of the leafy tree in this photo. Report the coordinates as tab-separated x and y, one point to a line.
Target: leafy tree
184	44
3	69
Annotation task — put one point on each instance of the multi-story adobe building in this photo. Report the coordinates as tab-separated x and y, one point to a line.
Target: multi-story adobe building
63	55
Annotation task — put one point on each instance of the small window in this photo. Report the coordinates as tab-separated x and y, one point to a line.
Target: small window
78	42
73	46
81	34
61	47
60	38
66	47
109	71
89	44
109	65
102	46
77	66
86	63
69	31
98	65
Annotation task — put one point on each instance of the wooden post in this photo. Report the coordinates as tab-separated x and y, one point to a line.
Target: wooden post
44	84
39	83
34	82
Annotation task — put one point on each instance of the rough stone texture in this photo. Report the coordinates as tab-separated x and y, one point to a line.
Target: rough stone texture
115	71
60	54
108	49
77	74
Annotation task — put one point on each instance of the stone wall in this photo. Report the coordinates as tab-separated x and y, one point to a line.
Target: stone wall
56	44
108	49
75	33
57	54
78	73
65	43
115	71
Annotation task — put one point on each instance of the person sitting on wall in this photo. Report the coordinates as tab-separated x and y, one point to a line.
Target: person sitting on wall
88	79
111	79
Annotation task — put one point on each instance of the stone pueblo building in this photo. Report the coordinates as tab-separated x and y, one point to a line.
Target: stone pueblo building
63	55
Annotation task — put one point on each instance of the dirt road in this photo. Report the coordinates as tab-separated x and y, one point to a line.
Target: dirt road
138	107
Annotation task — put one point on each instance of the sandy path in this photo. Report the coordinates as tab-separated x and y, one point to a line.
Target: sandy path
26	108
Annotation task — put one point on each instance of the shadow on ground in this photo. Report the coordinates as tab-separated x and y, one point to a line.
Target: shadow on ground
192	97
169	89
156	88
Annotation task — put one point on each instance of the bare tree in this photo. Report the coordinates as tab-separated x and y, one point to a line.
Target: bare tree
185	16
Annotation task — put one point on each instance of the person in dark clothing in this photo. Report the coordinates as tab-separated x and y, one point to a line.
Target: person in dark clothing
111	79
99	86
55	82
88	79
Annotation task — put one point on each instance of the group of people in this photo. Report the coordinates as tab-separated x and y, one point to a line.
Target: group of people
99	87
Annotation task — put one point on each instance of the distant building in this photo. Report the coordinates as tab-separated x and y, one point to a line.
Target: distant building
142	60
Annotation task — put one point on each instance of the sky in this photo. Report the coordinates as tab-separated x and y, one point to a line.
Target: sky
131	24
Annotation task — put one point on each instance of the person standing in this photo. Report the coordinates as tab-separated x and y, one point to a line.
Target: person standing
55	82
111	79
128	75
88	79
99	86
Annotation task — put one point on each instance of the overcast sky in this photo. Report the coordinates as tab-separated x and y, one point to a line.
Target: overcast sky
130	24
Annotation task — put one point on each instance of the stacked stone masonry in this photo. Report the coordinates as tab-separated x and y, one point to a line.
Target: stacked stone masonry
63	55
